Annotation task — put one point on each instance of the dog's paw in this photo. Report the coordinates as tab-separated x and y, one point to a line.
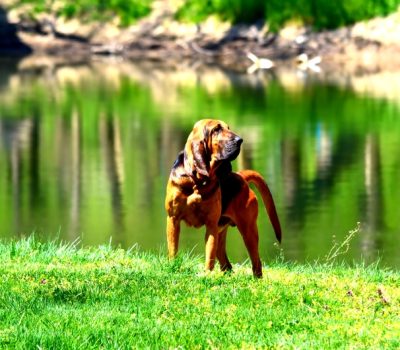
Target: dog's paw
194	198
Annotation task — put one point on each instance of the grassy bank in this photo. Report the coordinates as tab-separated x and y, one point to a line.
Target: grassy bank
320	14
127	12
54	295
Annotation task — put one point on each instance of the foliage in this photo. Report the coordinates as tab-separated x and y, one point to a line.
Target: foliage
60	296
235	10
318	13
103	10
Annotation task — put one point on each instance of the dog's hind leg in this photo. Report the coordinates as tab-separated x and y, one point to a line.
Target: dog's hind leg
247	226
221	252
250	237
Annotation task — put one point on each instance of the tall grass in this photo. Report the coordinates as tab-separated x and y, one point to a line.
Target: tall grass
320	14
60	296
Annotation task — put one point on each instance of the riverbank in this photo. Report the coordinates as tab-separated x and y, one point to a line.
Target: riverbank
56	295
368	46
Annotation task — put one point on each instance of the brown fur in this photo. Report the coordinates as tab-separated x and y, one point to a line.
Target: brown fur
203	191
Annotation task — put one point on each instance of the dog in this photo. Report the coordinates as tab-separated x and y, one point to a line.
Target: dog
203	190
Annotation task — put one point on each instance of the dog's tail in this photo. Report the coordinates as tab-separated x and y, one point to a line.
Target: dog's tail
255	178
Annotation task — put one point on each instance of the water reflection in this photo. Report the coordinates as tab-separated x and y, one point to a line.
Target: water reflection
86	151
110	141
373	212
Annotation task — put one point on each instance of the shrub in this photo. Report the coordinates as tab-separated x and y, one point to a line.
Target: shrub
320	14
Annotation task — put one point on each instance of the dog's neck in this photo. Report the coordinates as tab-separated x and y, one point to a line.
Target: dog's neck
206	187
223	169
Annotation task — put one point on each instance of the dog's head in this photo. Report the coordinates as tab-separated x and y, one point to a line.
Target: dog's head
210	143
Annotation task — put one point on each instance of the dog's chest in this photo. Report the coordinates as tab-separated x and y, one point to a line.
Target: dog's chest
197	218
200	213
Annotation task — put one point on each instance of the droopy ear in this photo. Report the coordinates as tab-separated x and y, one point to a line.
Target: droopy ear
195	156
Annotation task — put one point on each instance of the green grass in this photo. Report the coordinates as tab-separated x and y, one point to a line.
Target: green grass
89	10
59	296
318	13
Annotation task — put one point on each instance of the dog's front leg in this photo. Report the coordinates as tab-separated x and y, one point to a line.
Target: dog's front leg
211	246
173	231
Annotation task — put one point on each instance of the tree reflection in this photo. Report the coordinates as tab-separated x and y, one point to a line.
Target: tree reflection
16	136
75	171
111	146
373	213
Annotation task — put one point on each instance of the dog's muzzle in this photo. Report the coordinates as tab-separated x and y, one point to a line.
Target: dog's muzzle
232	149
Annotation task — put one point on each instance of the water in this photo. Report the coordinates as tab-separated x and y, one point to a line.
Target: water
85	152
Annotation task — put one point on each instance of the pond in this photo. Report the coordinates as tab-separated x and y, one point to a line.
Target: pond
85	153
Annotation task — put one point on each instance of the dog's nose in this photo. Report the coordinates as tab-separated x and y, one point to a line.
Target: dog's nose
238	140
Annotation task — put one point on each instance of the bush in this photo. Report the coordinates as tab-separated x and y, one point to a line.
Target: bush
320	14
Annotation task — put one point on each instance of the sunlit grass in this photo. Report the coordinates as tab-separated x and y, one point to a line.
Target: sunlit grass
56	295
127	12
318	13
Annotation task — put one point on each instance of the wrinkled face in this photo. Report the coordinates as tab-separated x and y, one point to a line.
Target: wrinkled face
210	142
221	141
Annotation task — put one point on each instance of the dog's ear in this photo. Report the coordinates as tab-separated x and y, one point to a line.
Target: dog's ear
196	158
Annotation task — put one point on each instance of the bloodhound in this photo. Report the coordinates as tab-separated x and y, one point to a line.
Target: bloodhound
203	190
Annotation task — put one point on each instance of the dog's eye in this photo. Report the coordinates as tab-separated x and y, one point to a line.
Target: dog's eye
217	129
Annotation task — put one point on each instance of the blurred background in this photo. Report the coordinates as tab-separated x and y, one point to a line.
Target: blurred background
97	98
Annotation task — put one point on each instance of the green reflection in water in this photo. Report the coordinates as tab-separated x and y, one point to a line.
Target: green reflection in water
86	151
